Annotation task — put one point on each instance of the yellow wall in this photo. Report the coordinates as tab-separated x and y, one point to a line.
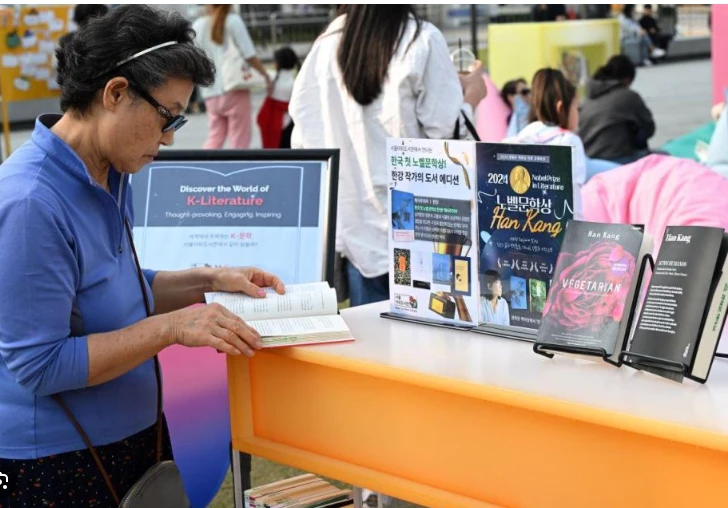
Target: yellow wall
27	51
518	50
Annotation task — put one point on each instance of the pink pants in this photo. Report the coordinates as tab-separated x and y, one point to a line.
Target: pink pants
229	117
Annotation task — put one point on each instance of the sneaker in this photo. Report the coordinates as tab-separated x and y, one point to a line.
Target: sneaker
658	53
647	63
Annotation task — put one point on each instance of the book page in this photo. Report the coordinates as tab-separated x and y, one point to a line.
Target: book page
302	288
275	306
299	326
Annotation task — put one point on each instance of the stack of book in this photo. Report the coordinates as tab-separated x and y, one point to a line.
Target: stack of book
304	491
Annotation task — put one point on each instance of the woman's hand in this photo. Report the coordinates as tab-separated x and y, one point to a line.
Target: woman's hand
213	326
717	110
474	89
249	280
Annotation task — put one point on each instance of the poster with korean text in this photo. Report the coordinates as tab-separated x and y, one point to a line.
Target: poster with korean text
433	265
525	199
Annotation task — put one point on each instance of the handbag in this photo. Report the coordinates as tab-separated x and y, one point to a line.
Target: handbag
236	73
161	486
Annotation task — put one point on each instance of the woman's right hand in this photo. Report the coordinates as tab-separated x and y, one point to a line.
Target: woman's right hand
474	89
214	326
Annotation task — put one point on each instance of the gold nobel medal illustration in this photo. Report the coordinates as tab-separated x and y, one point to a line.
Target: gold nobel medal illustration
520	180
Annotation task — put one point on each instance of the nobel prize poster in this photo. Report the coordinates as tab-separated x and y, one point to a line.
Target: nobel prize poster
232	213
433	260
525	199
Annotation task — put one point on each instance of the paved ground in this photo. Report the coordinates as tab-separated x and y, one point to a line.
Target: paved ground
679	95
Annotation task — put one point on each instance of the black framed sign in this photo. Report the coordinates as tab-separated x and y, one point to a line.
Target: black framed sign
274	209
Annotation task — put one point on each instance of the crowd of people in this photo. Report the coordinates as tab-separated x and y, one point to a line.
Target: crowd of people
375	72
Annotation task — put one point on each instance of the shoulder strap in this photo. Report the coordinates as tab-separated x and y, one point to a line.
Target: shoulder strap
77	425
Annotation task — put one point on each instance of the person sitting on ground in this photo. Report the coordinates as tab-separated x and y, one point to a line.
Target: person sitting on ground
515	94
614	121
649	25
632	31
554	118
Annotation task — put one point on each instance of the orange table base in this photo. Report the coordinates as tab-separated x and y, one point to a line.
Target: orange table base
441	444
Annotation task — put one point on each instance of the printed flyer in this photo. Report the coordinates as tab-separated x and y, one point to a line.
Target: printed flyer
433	254
525	199
232	213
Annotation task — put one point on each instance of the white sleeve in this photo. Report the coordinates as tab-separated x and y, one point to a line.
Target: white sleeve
304	106
438	90
240	36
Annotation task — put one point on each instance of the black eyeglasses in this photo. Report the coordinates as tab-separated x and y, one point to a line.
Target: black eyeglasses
174	122
525	91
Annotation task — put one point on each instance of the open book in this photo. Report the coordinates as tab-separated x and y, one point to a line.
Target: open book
306	314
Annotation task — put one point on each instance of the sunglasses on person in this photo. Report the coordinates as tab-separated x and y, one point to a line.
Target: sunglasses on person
173	122
525	92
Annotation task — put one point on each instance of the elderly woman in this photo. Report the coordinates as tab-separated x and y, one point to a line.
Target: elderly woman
80	323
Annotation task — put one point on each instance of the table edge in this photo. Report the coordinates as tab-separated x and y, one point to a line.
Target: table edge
548	405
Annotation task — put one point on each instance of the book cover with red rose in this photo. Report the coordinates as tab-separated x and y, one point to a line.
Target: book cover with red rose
587	307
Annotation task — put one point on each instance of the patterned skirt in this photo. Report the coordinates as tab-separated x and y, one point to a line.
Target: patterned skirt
73	479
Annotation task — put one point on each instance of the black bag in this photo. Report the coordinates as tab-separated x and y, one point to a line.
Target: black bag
161	486
468	125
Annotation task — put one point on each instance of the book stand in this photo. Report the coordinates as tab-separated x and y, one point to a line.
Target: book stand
545	348
429	322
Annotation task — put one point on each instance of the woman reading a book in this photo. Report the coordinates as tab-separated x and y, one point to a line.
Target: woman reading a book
493	308
80	322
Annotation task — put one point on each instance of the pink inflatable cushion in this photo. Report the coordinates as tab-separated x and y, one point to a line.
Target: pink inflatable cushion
491	115
657	191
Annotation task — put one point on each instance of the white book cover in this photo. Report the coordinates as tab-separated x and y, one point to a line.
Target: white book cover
432	203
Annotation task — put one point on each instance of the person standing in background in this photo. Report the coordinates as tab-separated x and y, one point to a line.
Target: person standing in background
274	121
229	113
378	71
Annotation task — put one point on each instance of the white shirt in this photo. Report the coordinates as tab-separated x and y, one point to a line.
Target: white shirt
538	133
421	98
283	85
235	33
499	316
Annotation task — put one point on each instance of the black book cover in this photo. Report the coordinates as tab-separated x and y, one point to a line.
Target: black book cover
591	289
675	306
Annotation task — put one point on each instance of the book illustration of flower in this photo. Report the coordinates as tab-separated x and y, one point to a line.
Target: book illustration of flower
592	288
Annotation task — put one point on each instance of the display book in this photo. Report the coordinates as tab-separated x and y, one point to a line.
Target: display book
590	307
303	491
475	231
684	310
595	300
306	314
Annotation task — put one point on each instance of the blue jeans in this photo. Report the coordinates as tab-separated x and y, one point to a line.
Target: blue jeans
363	290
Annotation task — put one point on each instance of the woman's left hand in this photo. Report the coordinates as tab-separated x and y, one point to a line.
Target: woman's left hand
248	280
